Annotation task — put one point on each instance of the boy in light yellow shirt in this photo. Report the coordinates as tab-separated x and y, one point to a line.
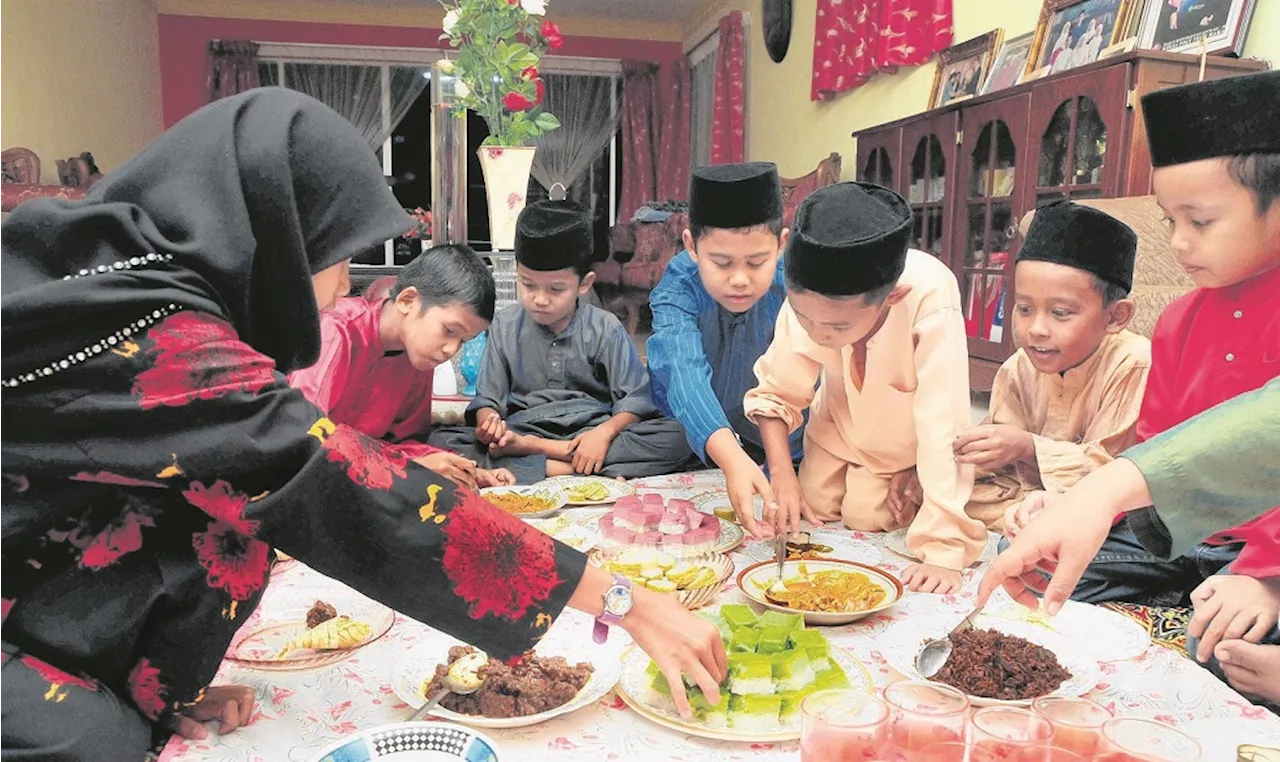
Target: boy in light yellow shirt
871	341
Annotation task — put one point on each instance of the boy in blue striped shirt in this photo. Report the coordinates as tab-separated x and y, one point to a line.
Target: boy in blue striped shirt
713	316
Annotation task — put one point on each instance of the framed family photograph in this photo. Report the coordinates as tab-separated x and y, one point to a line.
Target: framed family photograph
962	68
1009	63
1183	26
1073	33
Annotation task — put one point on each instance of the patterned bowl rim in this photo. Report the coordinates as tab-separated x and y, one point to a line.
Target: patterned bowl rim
690	599
367	735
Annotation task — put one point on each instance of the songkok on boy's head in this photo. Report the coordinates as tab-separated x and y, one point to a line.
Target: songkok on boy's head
1084	238
1219	117
848	239
553	235
735	195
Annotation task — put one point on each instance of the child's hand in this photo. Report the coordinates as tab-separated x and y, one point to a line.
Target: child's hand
744	480
1251	668
493	432
497	477
926	578
790	506
1018	515
905	496
1230	607
451	466
589	449
231	705
993	446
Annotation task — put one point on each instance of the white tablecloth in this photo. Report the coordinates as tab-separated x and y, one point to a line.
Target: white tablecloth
300	713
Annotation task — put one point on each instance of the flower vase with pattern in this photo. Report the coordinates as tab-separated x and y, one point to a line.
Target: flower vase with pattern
506	182
469	362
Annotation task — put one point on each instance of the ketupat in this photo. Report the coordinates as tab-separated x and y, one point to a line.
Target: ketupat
339	632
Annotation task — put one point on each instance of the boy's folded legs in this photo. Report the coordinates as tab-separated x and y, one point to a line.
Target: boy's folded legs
837	490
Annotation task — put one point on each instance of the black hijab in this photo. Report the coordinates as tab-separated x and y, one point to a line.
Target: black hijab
240	203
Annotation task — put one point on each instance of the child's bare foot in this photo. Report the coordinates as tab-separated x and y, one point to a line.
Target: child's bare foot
1251	668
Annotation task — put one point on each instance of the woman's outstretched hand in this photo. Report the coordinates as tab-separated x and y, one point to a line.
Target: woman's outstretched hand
680	642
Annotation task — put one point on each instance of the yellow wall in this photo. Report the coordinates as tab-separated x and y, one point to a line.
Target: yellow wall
79	75
784	126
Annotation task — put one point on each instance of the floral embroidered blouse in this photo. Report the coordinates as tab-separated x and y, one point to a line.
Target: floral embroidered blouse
145	490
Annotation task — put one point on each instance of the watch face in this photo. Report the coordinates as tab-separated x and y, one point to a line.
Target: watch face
618	600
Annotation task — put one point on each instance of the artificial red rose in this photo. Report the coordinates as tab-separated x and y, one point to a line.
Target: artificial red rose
498	564
551	33
199	357
516	102
223	504
541	90
147	689
236	563
528	73
370	463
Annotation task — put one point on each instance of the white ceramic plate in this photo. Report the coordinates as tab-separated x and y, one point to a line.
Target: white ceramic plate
843	548
413	742
1083	669
556	497
568	531
1102	634
731	535
1219	736
634	689
414	671
709	502
615	488
753	579
897	542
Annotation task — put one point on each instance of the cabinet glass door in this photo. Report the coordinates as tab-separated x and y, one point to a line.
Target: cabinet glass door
1073	150
927	193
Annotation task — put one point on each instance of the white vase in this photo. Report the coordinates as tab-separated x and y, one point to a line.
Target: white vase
506	181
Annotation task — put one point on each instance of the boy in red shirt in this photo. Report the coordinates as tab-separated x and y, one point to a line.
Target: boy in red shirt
379	353
1216	149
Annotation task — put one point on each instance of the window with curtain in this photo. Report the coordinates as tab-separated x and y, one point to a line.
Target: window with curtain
702	101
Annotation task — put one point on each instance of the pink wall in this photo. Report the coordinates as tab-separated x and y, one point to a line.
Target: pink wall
184	41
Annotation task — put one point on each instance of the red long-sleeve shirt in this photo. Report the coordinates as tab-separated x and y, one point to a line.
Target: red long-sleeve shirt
1209	346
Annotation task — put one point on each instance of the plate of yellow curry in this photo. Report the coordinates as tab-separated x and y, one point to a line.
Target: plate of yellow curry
536	502
825	591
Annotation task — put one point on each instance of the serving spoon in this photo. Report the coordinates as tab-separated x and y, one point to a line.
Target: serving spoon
463	678
935	653
780	552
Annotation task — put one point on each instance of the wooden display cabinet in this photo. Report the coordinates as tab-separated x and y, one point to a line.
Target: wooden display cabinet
970	170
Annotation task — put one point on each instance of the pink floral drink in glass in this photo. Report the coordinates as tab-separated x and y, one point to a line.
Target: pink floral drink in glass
923	714
1007	733
843	726
1130	739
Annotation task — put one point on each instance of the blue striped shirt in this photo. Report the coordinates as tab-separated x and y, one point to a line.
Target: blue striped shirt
701	355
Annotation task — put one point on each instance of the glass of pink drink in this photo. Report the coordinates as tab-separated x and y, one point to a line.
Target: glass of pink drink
1077	722
923	714
1007	733
956	751
843	726
1130	739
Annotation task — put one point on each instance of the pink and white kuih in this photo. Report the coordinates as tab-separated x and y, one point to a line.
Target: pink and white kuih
648	520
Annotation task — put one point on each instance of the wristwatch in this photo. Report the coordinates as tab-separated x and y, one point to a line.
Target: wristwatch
618	600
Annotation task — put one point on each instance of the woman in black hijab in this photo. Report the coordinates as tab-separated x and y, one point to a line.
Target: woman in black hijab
153	454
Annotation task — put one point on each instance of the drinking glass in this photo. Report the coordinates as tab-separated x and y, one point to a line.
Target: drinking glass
1007	732
923	714
1129	739
955	751
1077	722
840	725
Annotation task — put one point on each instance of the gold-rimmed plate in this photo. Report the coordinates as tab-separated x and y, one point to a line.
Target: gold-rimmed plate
755	579
588	490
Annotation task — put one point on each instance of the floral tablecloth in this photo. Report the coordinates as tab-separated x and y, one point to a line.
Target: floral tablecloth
300	713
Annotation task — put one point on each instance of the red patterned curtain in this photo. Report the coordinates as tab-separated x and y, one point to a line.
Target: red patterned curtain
232	68
639	133
673	160
728	113
854	39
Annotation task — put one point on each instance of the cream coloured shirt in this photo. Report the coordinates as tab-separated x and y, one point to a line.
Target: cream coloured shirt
913	403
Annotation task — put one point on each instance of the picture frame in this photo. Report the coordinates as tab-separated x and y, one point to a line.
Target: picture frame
1009	64
1182	26
1072	33
963	67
